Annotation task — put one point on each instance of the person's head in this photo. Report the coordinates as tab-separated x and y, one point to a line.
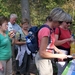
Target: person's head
13	18
25	24
3	23
54	16
66	20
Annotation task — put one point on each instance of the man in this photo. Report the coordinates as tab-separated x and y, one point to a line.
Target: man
13	26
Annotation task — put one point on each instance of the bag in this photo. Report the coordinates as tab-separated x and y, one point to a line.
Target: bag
32	38
70	68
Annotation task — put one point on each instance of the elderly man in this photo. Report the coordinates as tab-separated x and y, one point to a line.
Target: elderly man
13	26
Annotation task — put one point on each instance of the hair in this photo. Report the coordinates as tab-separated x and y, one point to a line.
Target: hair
56	13
13	16
3	19
65	17
68	18
48	18
24	21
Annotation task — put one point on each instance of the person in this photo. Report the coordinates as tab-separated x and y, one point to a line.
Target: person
5	47
13	26
46	49
63	39
24	55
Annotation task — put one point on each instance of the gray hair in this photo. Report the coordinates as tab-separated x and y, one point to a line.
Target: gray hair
65	17
68	18
13	16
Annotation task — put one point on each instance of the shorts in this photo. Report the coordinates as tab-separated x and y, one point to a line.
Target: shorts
44	66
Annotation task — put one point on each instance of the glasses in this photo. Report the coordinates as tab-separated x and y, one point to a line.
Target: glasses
68	22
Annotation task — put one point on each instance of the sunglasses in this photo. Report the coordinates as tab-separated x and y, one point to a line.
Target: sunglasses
68	22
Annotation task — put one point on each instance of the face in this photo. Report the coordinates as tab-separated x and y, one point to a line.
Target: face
13	20
66	24
25	26
4	26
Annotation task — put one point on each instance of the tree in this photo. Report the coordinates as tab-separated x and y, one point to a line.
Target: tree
25	9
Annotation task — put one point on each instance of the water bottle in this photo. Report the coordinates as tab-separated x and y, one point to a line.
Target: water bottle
27	39
72	49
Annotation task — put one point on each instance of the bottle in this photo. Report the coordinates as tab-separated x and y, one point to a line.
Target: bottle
27	39
72	49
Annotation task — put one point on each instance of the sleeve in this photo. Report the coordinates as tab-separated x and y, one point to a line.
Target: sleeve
44	32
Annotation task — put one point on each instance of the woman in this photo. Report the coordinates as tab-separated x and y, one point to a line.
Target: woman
46	52
5	47
63	39
24	54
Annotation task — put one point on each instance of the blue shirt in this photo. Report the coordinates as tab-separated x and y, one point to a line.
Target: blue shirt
15	27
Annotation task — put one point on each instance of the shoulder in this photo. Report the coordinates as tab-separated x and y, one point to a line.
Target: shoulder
44	32
17	25
44	29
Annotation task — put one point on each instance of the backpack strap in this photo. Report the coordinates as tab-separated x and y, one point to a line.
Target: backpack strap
49	29
60	32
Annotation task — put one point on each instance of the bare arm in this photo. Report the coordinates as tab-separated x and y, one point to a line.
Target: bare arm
19	42
60	42
57	50
44	54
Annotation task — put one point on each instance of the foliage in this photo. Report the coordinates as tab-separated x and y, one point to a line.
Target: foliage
3	9
39	9
8	7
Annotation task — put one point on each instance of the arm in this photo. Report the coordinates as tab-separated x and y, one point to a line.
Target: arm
57	50
19	42
60	42
44	54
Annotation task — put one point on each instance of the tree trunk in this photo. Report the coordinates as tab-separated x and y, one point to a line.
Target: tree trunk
25	9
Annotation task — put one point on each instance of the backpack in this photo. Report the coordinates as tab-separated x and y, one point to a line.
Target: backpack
32	38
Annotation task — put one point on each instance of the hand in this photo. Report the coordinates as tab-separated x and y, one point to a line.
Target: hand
11	34
71	39
63	56
1	67
60	52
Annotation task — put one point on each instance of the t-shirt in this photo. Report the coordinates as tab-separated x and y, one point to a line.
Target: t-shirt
5	47
64	35
46	32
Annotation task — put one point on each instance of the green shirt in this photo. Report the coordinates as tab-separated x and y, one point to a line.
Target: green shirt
5	47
